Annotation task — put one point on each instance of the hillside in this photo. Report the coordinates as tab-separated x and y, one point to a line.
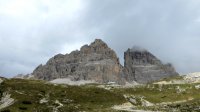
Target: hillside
21	95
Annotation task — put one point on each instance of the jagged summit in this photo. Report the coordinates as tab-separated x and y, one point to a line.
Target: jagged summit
99	43
99	47
96	45
98	62
95	62
140	56
143	67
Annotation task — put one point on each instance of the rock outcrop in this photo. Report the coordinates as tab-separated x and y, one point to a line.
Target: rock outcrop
95	62
192	77
6	100
143	67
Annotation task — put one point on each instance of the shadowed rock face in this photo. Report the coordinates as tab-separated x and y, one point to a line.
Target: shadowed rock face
99	63
143	67
93	62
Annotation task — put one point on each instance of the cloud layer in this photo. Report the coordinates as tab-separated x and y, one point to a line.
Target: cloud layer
33	31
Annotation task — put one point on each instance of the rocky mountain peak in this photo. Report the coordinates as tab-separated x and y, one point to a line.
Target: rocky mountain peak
144	67
99	46
95	62
99	43
140	56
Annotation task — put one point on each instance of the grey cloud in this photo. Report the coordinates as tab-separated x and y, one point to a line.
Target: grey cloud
25	42
168	28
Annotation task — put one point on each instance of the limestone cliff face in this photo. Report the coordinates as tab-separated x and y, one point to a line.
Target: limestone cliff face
143	67
100	63
93	62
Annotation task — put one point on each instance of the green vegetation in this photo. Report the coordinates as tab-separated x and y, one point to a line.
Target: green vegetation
163	93
170	97
40	96
28	94
172	78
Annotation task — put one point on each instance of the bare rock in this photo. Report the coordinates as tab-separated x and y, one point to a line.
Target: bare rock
70	82
6	100
192	77
99	63
95	62
143	67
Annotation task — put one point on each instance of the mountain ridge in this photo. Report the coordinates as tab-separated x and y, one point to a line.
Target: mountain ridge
100	63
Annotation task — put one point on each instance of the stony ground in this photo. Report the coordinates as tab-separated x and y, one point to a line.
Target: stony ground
20	95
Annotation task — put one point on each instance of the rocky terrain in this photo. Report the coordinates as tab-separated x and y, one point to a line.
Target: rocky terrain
26	95
144	67
95	62
100	63
70	82
192	77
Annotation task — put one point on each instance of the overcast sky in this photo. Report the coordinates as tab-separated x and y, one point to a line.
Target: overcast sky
32	31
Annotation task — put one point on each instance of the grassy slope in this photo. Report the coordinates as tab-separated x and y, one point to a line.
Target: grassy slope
168	93
29	92
172	78
90	98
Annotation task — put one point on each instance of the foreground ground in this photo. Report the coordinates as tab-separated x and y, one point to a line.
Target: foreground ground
20	95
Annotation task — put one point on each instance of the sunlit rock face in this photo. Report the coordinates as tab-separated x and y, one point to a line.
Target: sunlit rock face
99	63
95	62
143	67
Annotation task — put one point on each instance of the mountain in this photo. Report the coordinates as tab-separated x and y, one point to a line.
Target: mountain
144	67
97	62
